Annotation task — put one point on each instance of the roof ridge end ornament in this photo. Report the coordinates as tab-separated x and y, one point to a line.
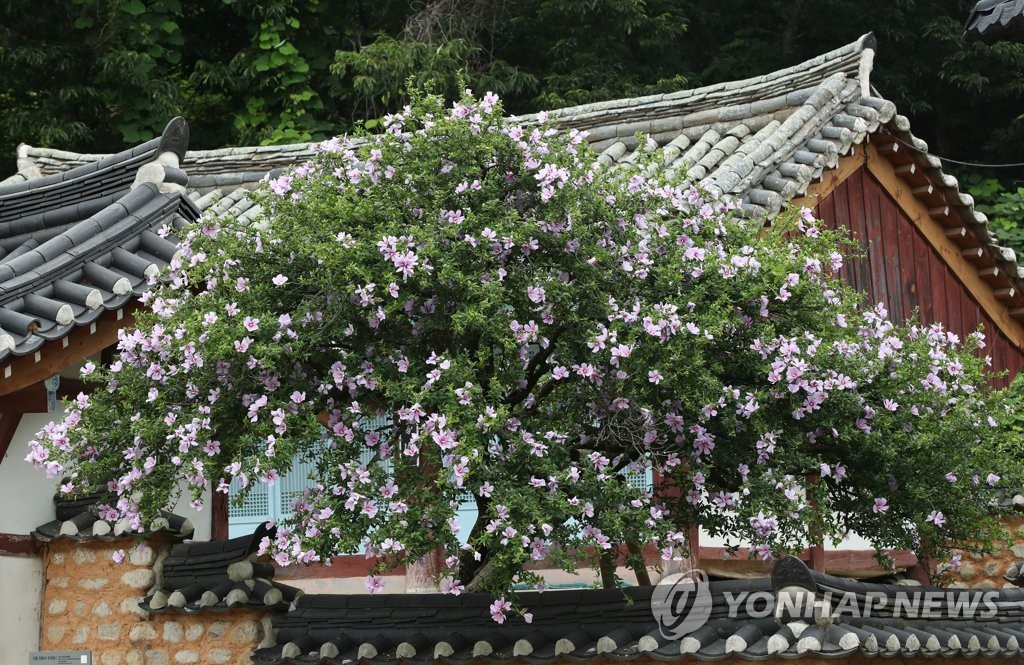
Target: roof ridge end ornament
867	61
165	171
26	166
175	137
796	595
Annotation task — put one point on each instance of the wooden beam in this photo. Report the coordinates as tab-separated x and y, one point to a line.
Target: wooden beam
346	565
32	399
832	178
951	254
22	371
9	421
12	544
845	563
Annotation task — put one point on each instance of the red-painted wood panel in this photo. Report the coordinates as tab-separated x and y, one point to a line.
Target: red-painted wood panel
973	317
999	349
944	294
900	308
857	222
899	266
876	249
905	263
841	210
825	210
851	207
923	269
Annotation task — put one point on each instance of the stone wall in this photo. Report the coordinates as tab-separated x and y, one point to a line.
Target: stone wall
986	572
92	603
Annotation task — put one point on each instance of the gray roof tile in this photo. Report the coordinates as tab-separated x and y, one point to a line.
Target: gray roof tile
59	232
77	519
216	575
592	625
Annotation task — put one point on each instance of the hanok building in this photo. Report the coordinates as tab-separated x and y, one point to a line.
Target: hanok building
81	235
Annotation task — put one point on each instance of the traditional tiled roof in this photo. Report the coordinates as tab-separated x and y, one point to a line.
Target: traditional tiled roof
761	141
77	518
218	575
593	625
80	242
992	20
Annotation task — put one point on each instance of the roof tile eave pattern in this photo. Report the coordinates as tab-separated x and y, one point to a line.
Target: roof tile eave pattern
218	575
79	242
78	519
619	624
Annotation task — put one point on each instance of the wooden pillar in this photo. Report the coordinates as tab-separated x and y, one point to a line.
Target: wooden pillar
816	554
219	516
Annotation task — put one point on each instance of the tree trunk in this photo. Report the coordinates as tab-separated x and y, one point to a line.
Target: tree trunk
608	569
481	576
636	562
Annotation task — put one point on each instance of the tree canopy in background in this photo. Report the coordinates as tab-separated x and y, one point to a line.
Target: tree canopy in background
98	75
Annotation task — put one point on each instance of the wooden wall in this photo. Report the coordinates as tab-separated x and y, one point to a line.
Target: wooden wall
900	268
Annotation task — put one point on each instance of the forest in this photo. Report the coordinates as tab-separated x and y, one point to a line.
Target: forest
99	75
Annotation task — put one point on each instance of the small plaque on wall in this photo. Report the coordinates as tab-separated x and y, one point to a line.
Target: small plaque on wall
60	658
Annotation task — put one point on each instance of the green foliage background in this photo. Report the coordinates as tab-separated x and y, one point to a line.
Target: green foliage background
99	75
96	74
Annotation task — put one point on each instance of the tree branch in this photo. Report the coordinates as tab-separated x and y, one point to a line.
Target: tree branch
534	370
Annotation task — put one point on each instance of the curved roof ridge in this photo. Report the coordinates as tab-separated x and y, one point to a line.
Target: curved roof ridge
174	139
76	244
854	59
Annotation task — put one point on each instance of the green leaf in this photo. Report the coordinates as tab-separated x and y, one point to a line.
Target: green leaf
134	7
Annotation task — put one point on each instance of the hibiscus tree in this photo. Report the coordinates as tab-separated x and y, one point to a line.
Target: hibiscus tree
531	326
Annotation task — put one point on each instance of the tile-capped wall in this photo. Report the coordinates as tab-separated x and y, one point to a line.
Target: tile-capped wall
989	571
92	603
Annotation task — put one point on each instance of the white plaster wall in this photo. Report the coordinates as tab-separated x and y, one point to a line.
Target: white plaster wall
21	580
26	493
201	519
